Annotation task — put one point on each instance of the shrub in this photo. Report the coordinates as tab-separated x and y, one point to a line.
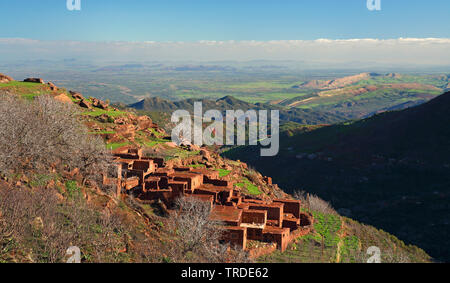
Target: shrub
45	134
196	236
314	203
41	228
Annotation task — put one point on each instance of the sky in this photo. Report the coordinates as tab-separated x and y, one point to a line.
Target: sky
235	29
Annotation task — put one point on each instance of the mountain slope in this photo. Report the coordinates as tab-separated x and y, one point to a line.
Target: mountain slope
64	210
360	95
391	170
304	116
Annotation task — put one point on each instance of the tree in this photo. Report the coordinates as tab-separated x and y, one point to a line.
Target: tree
196	238
46	134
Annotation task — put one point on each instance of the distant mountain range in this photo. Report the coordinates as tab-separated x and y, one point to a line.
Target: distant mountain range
320	101
345	81
302	116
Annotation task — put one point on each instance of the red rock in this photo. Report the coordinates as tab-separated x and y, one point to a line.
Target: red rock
85	104
34	80
5	79
127	131
52	86
76	95
120	121
63	98
144	122
100	104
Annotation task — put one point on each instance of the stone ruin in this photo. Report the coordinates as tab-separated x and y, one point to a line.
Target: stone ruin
277	222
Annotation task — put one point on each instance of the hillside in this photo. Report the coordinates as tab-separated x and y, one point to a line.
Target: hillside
390	170
46	208
317	101
303	116
361	95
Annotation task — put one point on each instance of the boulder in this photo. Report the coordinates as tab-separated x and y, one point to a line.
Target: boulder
34	80
192	147
126	131
76	95
63	98
206	155
5	79
120	121
99	103
85	104
144	122
52	86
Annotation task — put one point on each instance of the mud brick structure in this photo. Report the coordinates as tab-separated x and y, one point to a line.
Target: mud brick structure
243	219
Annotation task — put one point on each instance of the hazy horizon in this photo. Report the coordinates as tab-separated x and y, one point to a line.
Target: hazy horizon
355	53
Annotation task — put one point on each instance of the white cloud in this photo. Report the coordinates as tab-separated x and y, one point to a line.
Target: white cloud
417	51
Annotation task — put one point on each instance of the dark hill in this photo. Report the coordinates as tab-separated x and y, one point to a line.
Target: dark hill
419	132
391	170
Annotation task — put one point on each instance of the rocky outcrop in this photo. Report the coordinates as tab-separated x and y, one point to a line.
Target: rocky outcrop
85	104
5	79
76	95
63	98
34	80
99	103
143	122
127	131
52	86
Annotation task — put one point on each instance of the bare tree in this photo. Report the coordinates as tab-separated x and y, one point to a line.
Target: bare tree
45	133
196	238
313	202
36	224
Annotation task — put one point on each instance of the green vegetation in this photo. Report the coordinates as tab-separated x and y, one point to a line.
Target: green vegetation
197	165
339	239
390	170
223	172
251	188
72	189
97	112
28	90
113	146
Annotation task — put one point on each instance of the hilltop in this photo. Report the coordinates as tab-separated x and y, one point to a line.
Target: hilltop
362	95
122	229
390	170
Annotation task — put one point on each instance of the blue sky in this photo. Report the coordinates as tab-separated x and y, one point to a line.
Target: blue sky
193	20
319	32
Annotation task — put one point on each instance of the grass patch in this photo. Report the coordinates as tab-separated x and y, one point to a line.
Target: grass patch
113	146
251	188
102	133
224	173
97	112
72	189
197	166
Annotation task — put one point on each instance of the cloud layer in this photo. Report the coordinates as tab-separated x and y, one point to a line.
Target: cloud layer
410	51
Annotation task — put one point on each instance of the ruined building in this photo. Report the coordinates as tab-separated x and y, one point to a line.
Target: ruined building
244	219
